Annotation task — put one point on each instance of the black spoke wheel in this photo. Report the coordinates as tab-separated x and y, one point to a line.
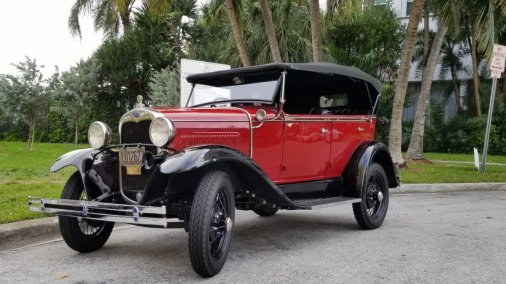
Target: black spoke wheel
80	234
211	221
371	211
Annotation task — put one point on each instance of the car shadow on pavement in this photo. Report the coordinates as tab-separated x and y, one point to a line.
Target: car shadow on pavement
166	251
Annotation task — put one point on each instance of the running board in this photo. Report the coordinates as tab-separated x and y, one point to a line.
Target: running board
152	216
325	202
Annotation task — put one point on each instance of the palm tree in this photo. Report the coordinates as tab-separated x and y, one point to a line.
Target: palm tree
271	30
395	133
316	39
453	51
236	30
108	15
415	149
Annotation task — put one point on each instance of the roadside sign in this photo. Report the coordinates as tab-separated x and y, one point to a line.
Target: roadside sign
498	58
476	159
496	69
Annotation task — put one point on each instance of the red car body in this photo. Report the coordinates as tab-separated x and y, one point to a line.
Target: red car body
270	137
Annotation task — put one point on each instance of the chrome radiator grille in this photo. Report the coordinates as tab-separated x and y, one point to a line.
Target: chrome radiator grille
133	133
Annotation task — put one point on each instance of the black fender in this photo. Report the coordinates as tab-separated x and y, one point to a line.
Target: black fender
201	157
356	170
81	159
95	179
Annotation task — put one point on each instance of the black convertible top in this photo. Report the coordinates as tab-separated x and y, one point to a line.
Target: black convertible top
273	70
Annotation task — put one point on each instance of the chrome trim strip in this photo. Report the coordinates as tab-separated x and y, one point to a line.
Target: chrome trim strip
326	120
123	213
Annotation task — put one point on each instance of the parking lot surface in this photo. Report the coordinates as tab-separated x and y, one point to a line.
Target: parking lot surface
457	237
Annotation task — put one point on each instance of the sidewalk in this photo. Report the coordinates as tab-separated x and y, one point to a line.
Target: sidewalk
23	230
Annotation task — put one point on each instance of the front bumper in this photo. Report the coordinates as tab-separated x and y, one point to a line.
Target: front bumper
153	216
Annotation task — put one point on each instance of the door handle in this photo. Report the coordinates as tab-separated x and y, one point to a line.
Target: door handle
360	129
324	130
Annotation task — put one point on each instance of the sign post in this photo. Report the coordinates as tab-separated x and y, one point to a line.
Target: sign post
496	68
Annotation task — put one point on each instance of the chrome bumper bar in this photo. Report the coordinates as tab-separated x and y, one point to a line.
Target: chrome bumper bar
153	216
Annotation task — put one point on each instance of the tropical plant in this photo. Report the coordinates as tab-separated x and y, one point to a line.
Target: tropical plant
270	29
76	96
415	149
236	30
371	42
395	133
23	96
164	87
216	42
314	11
108	15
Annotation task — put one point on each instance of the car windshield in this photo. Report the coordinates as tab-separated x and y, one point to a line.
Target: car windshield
263	92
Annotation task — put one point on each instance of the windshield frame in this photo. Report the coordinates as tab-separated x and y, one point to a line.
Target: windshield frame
271	101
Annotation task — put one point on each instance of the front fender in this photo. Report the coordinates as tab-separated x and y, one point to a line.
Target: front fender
81	159
200	157
366	154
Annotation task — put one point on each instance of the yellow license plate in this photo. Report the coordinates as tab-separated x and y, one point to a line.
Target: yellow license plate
132	159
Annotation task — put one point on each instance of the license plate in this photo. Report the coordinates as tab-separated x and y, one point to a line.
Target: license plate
131	158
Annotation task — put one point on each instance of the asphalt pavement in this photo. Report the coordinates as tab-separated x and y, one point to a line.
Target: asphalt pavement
452	237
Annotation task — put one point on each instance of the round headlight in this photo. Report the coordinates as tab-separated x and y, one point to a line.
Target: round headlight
99	135
162	131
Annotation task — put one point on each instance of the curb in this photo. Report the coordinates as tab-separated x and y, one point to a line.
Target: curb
23	230
447	187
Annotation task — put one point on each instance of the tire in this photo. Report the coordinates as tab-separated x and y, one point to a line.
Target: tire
211	221
80	234
265	211
371	212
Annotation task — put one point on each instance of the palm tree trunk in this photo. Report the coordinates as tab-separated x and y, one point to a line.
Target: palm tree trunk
236	30
271	31
476	75
426	37
314	9
456	86
415	149
370	3
395	133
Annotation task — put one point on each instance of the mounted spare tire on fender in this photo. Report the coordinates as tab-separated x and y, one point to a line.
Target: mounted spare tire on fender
211	221
371	212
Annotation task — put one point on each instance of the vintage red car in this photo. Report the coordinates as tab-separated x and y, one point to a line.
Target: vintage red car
263	138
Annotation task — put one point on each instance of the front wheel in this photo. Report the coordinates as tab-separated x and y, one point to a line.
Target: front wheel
211	221
371	211
80	234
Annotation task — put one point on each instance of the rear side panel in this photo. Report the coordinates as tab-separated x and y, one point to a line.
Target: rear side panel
347	133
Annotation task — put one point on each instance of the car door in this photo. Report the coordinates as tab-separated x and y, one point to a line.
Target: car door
306	147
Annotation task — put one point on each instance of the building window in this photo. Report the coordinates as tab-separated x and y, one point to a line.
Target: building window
409	5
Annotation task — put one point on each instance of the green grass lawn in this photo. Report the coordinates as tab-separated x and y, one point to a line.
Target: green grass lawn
25	173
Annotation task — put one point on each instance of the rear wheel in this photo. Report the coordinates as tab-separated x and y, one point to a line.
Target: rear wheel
80	234
371	212
211	221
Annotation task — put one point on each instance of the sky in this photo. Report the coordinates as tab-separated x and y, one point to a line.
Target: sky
38	29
